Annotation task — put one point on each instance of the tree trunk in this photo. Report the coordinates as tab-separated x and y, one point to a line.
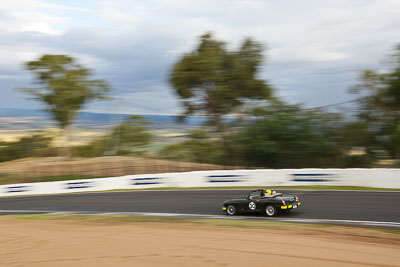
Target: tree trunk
65	149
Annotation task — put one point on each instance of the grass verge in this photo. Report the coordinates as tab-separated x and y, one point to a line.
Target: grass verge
17	179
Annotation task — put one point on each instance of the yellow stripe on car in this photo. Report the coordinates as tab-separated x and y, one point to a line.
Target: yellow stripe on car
283	207
298	204
223	208
290	206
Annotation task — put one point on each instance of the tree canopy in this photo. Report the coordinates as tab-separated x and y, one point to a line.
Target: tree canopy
379	108
282	135
214	81
131	134
64	86
129	137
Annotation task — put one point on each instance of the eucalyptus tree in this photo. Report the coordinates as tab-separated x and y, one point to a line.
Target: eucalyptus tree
64	87
214	81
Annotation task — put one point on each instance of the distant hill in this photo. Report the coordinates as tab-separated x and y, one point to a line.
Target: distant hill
15	112
90	119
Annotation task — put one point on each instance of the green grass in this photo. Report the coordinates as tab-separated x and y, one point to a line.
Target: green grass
67	177
155	219
392	231
14	178
6	178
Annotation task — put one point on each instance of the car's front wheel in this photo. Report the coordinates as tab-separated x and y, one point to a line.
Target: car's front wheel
231	210
270	210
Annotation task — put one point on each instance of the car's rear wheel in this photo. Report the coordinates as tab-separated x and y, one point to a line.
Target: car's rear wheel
231	210
270	210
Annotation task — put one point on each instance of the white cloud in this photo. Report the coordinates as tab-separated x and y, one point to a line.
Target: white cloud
312	44
115	16
22	16
312	53
22	4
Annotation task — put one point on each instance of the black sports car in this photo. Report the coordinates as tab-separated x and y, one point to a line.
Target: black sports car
261	200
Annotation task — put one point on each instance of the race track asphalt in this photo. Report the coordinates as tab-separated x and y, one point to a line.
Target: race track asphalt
333	205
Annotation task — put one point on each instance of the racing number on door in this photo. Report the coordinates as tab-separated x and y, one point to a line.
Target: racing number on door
252	205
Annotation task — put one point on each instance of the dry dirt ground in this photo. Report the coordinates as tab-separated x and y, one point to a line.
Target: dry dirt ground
87	243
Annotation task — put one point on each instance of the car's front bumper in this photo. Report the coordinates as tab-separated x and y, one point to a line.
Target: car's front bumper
291	206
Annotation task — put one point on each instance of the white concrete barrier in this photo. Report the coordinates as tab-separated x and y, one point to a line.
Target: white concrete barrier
380	178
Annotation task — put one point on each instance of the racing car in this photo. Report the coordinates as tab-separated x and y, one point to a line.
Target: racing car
262	201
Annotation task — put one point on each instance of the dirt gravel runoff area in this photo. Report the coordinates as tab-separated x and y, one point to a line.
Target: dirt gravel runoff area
43	240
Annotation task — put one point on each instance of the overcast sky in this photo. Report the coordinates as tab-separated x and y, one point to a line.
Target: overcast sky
315	49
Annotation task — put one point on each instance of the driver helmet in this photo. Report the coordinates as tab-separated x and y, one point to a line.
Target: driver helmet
268	192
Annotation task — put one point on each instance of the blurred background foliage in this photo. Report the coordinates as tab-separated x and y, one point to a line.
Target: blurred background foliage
28	146
247	124
128	138
199	147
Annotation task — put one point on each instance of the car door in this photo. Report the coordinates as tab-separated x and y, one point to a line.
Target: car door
254	201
